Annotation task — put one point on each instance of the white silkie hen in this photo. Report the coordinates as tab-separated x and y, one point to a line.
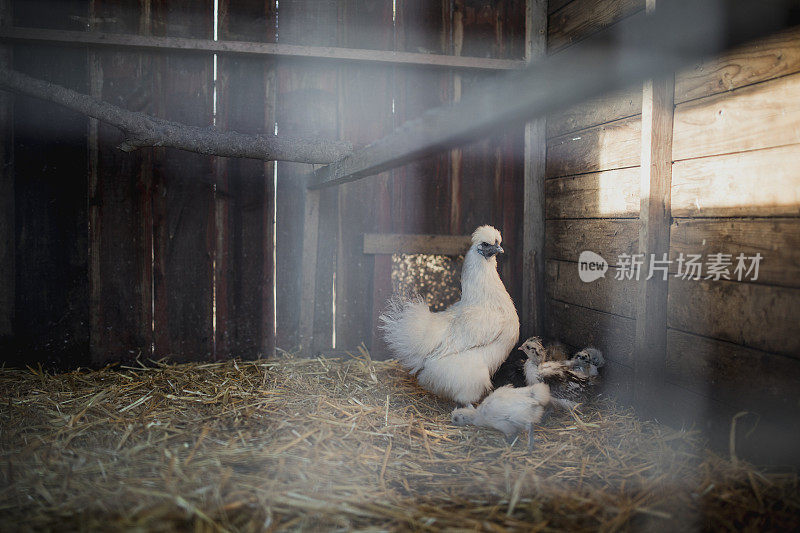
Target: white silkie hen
509	410
455	352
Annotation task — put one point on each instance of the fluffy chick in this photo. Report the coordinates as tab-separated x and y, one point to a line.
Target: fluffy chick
455	352
568	387
512	371
586	362
509	410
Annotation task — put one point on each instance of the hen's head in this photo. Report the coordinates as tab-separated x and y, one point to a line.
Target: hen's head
486	241
534	349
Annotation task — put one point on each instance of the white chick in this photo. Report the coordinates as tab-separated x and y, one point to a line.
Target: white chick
568	388
455	352
509	410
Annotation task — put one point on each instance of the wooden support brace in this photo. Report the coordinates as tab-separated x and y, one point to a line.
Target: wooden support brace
650	343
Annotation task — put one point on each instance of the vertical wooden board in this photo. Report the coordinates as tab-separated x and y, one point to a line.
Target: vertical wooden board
119	203
533	277
50	156
183	211
654	217
244	193
6	193
306	104
366	116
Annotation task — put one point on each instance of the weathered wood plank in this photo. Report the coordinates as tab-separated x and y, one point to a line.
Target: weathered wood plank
120	187
183	204
729	185
772	57
594	111
50	163
777	240
566	239
654	217
605	147
581	18
610	193
756	316
758	116
581	326
258	49
535	189
375	243
605	294
744	378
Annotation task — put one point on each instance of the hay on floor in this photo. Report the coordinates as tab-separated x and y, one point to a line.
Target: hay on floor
291	443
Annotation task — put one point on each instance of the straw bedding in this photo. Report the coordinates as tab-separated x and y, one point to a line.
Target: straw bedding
328	444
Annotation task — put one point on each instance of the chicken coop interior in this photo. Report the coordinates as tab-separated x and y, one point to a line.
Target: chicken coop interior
206	206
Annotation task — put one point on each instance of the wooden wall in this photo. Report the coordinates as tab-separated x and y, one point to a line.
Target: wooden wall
592	201
731	346
165	253
153	253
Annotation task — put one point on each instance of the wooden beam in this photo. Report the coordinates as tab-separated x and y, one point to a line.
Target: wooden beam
7	233
377	243
656	181
533	230
636	49
78	38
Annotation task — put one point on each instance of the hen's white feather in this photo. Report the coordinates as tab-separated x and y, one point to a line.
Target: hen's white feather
455	352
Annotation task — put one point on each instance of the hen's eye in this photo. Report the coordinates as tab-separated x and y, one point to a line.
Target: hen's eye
484	244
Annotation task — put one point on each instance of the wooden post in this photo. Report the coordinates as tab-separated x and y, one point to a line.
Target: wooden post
535	153
7	234
654	216
309	269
